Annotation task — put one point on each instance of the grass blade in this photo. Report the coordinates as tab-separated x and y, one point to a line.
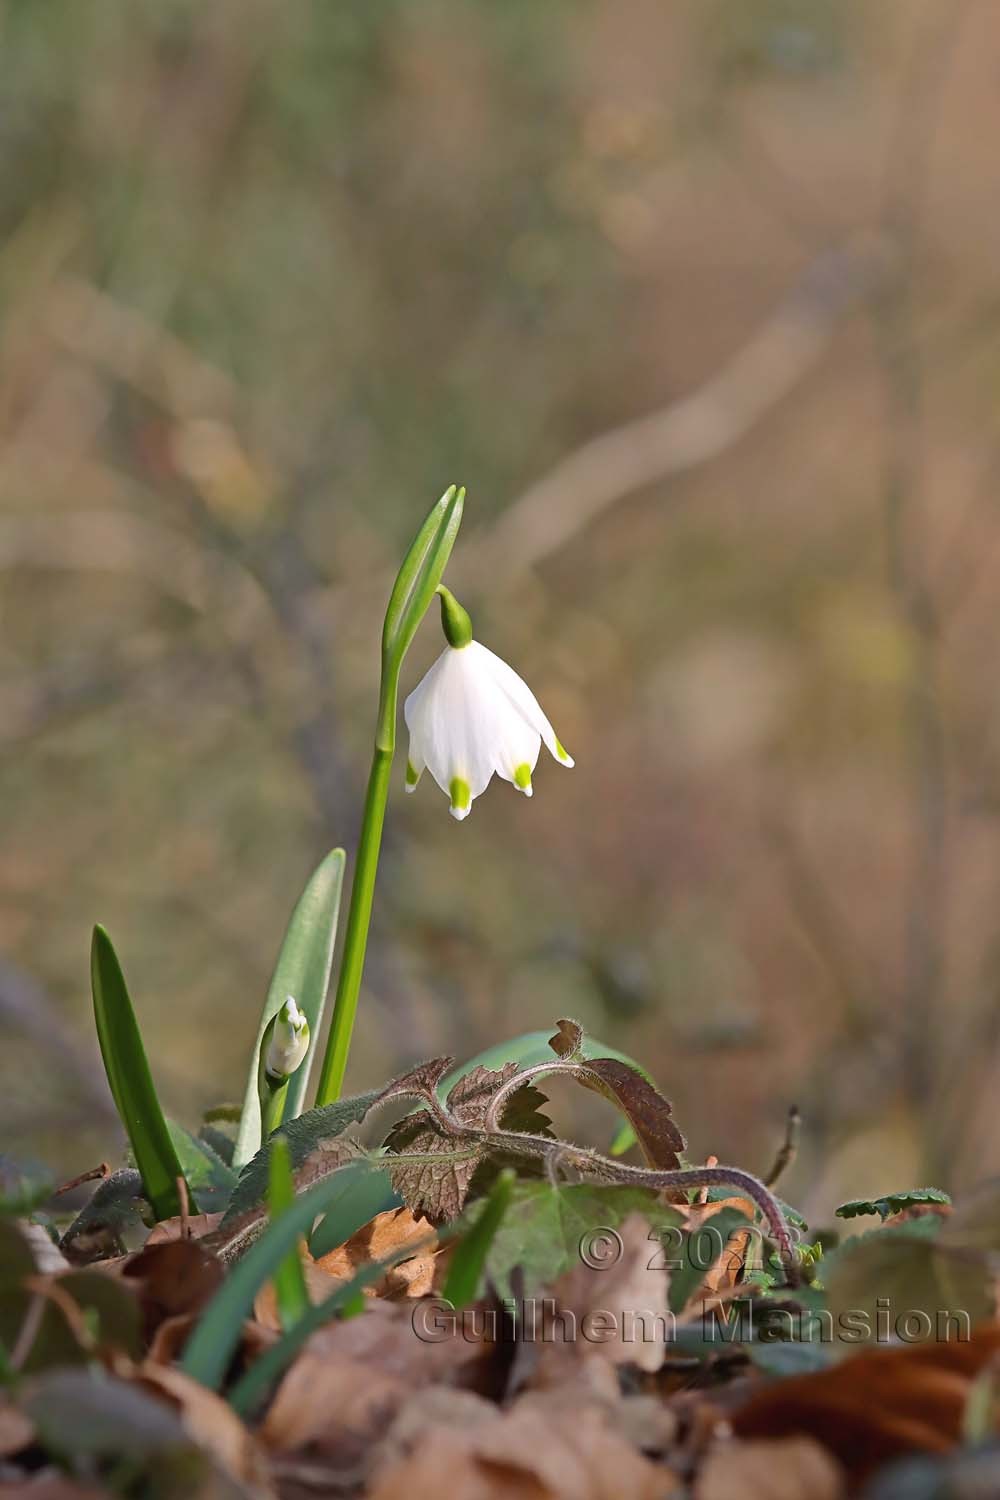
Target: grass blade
470	1254
251	1387
302	970
214	1341
130	1080
290	1278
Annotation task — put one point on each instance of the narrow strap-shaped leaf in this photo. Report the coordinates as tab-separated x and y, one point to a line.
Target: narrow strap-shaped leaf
130	1080
302	970
211	1347
289	1278
470	1254
412	593
251	1387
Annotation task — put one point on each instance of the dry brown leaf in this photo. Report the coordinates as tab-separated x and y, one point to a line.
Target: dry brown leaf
524	1454
353	1377
212	1423
196	1226
386	1235
722	1277
616	1315
172	1277
319	1285
877	1405
790	1469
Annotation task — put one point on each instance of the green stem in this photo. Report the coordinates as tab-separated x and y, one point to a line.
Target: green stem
272	1107
352	962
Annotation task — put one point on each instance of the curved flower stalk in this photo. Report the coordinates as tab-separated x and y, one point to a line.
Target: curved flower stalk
472	716
411	595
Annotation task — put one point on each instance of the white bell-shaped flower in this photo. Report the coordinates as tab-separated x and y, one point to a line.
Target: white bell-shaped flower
471	716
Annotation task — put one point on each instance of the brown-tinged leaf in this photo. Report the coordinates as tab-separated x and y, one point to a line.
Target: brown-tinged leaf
171	1278
210	1422
194	1227
320	1284
878	1405
568	1040
382	1237
439	1187
723	1276
524	1454
352	1377
645	1108
791	1469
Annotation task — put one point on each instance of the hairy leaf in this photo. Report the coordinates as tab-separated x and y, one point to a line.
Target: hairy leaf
112	1222
892	1203
548	1230
211	1180
439	1185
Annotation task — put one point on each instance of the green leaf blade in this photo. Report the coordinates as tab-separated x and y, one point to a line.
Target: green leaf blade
303	970
289	1278
131	1081
211	1347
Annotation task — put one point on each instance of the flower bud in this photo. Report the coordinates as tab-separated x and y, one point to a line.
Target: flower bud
289	1042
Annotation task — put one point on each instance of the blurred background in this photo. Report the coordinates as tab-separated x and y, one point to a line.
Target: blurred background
701	300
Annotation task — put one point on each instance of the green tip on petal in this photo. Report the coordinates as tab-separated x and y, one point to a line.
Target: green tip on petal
522	778
412	776
461	798
562	754
455	620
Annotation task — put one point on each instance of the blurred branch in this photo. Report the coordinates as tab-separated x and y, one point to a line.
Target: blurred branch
692	431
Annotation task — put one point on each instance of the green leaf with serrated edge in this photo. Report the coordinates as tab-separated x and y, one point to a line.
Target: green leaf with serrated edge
290	1277
211	1346
303	971
130	1080
547	1230
438	1183
305	1134
892	1203
206	1173
878	1279
22	1188
469	1257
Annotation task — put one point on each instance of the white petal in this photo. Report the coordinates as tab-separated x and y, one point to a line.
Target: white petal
523	699
451	720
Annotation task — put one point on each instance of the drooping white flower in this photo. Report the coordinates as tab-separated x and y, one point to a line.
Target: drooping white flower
289	1041
471	716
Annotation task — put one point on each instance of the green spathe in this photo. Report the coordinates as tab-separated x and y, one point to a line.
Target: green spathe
455	621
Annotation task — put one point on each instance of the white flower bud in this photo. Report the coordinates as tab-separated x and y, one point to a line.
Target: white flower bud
289	1041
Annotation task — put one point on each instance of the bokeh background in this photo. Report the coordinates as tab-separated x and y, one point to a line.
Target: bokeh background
701	300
